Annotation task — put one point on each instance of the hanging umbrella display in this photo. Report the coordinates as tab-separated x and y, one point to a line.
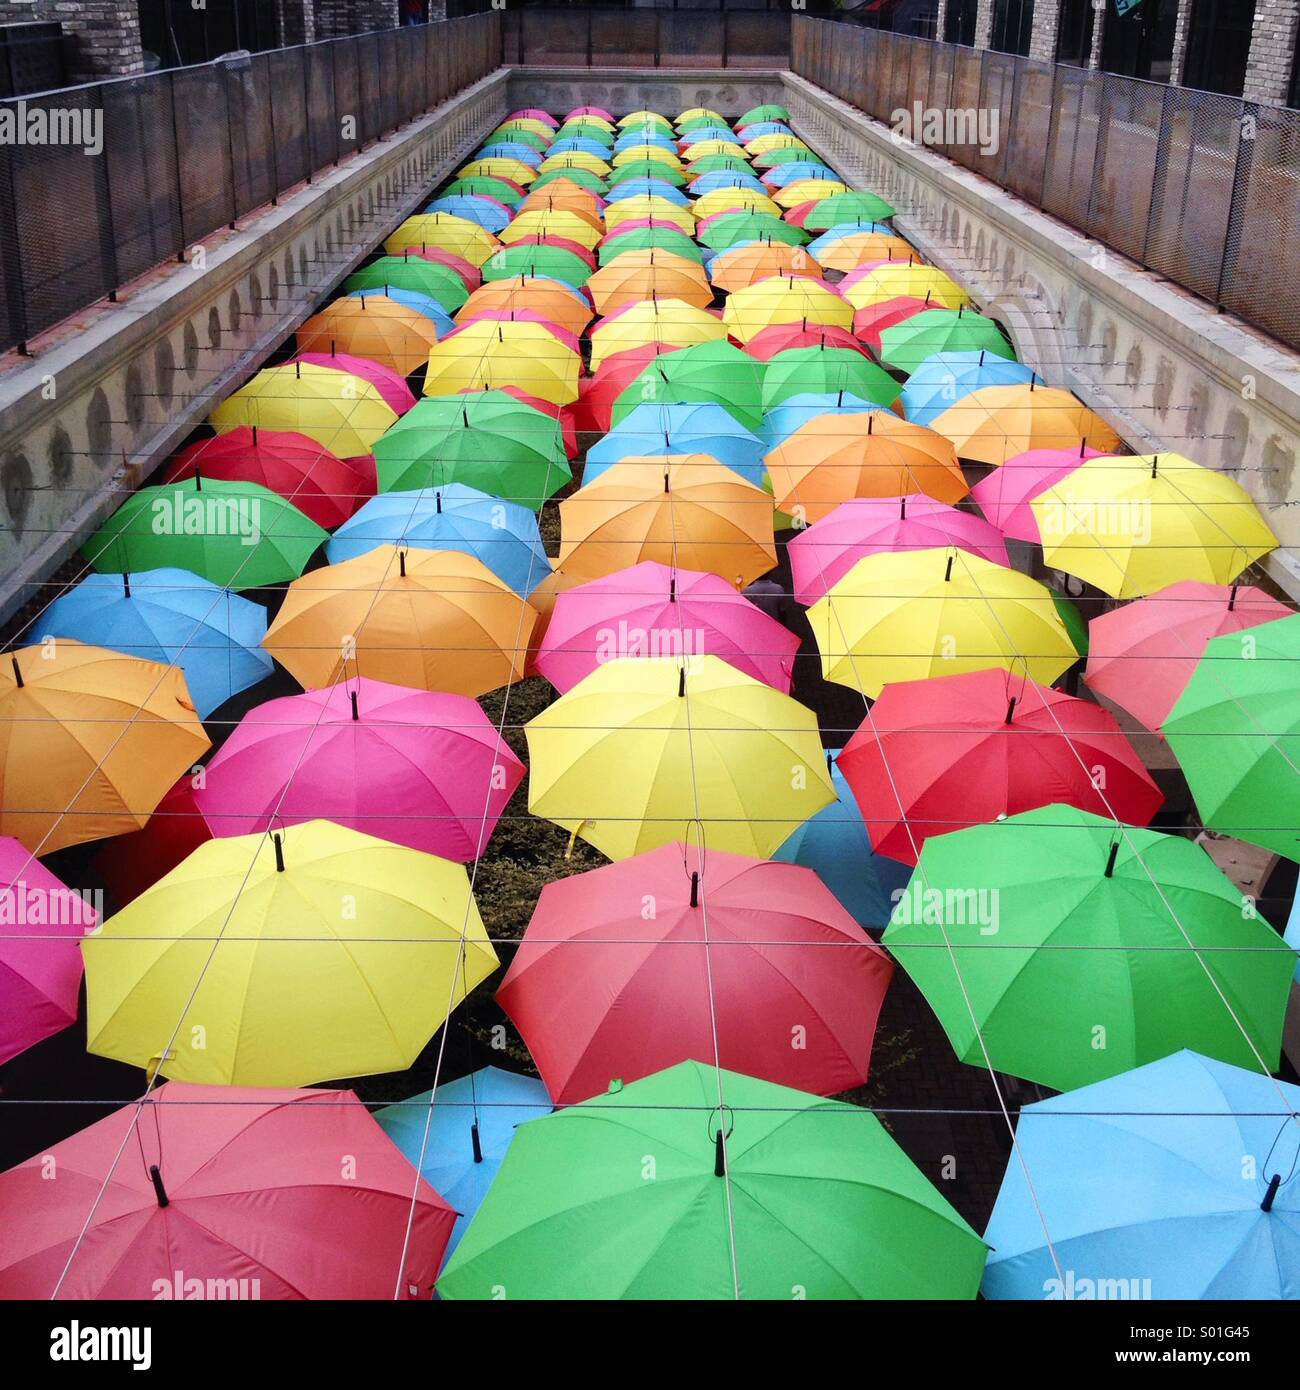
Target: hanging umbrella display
650	274
784	299
552	300
130	863
714	372
904	617
1004	496
907	343
392	388
412	272
847	209
733	228
491	355
374	325
994	423
655	321
1112	946
727	943
421	769
905	280
825	371
948	377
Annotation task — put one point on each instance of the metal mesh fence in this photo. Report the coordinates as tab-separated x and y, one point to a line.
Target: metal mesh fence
650	37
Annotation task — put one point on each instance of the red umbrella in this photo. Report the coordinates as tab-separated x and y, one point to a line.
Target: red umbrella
563	413
219	1192
325	488
789	984
779	337
467	270
129	864
963	750
392	387
594	407
1004	496
1143	654
871	322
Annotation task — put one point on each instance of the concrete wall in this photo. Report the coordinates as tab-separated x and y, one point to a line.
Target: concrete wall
728	90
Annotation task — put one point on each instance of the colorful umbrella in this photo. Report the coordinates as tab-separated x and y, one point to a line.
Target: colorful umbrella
649	274
714	372
796	411
553	300
412	272
995	423
948	377
790	337
734	228
422	305
905	344
652	430
848	249
392	388
846	209
1004	496
824	370
870	323
530	259
905	280
646	239
130	863
654	321
489	355
755	261
374	325
784	299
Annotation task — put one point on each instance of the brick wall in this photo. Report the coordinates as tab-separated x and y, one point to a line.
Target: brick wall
1044	29
1272	51
104	34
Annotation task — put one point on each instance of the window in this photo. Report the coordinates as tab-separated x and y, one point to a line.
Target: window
960	24
1218	45
1012	22
1074	32
1139	42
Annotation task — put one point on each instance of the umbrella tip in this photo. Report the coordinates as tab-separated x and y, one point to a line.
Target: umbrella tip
126	585
695	888
947	574
1273	1184
681	682
356	712
719	1155
401	563
1110	863
279	853
1232	598
475	1142
1011	709
18	673
155	1177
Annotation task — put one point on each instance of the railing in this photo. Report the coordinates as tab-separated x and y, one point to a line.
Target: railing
146	167
647	38
1200	188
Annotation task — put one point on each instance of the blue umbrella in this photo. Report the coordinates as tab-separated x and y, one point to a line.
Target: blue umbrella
708	132
946	377
828	239
472	1125
1292	935
795	170
834	844
724	178
795	411
502	534
690	428
648	188
422	304
1177	1180
503	149
752	132
632	139
172	616
481	211
579	144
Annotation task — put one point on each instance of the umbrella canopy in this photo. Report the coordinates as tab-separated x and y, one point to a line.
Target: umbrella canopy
554	222
513	169
726	943
233	1193
173	617
937	755
655	321
645	238
695	742
1142	655
130	863
238	535
900	617
795	411
459	1135
905	344
1132	525
447	232
905	280
768	111
835	457
566	179
869	324
503	535
994	423
753	262
487	354
803	191
655	610
421	769
808	168
374	325
1147	1172
825	370
286	989
733	228
95	740
553	300
849	249
847	209
503	190
325	488
649	188
649	274
791	337
948	377
1005	494
1235	731
680	509
734	199
784	299
40	965
714	372
823	553
429	619
422	305
413	272
392	388
572	1216
528	258
597	393
643	209
343	415
467	271
1101	931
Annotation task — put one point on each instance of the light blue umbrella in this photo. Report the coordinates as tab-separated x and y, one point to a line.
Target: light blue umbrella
473	1122
828	239
796	170
481	211
795	411
505	149
945	378
752	132
701	133
631	139
724	178
835	846
412	299
579	144
648	188
172	616
1177	1180
689	428
503	535
1292	935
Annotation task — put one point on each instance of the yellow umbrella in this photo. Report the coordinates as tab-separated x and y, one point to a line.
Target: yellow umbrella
640	154
705	148
667	321
373	326
685	510
747	264
642	117
858	248
560	224
589	119
431	619
696	112
92	742
530	124
652	273
646	751
658	209
784	299
283	961
341	412
733	199
940	291
497	167
554	302
996	423
492	355
574	159
909	615
764	144
443	232
1132	525
576	201
808	191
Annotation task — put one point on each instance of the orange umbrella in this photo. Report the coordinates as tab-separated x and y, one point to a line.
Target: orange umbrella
431	619
652	273
543	599
996	423
550	300
93	741
833	458
683	510
580	203
746	265
372	326
860	248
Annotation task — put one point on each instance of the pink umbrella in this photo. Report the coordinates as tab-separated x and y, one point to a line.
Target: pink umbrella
419	768
829	548
652	610
1004	496
1142	655
467	270
219	1192
562	335
40	962
860	272
589	111
393	388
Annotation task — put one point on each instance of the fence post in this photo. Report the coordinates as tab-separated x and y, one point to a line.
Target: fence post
1156	206
1240	172
15	286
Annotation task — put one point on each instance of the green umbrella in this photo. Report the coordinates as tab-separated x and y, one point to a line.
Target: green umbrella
906	345
584	178
718	164
845	209
438	281
697	123
481	185
734	228
783	154
620	1197
826	371
582	129
239	535
1071	945
769	111
718	372
518	136
1236	733
1072	621
647	169
484	439
529	258
644	238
